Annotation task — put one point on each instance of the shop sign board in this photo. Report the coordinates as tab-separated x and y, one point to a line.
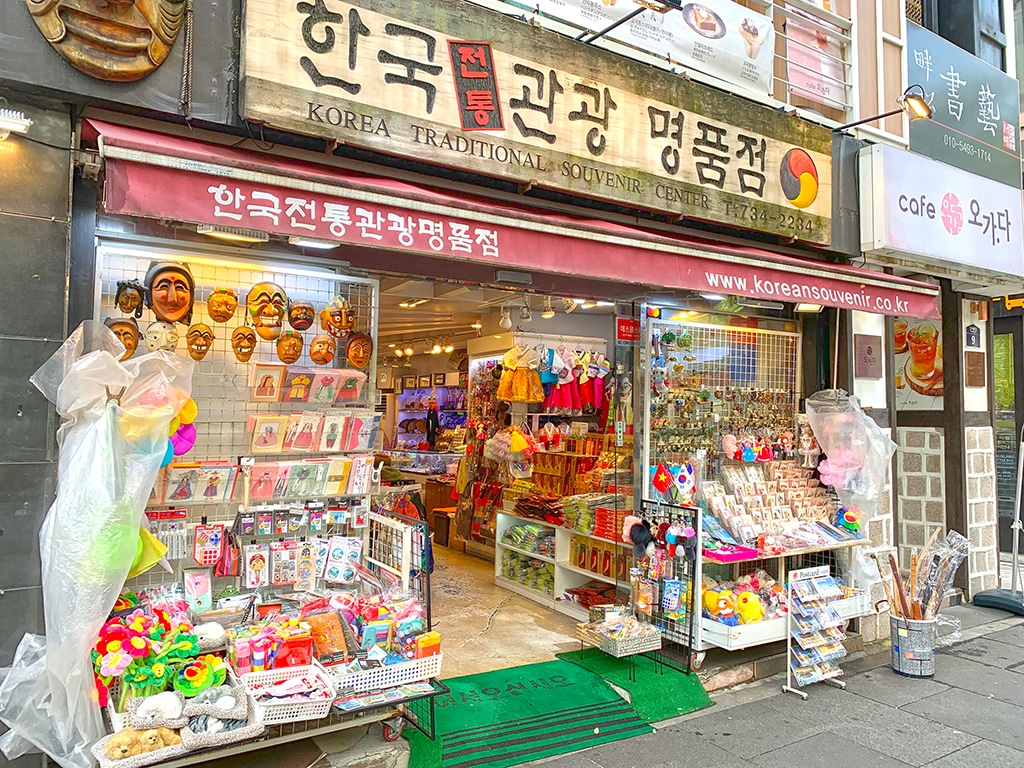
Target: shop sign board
868	353
719	37
975	108
926	211
627	330
479	91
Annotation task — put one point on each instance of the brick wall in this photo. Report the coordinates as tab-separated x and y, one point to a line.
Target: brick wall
921	494
981	509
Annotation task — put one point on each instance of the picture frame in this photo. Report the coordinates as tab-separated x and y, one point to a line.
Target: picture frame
268	433
423	380
439	379
408	382
267	382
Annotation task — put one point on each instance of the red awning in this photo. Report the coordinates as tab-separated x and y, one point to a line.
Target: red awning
170	177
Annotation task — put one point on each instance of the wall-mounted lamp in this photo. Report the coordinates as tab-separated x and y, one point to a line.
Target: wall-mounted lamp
313	242
234	234
13	120
913	104
805	307
549	311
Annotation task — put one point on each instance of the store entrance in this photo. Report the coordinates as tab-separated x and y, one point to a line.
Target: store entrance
1008	368
469	375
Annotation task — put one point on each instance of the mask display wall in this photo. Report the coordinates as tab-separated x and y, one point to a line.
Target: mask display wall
289	346
129	297
127	331
359	350
243	343
200	340
301	315
221	304
170	291
266	303
161	335
118	40
322	349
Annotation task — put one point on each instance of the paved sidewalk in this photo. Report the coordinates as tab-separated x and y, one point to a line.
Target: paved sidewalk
971	715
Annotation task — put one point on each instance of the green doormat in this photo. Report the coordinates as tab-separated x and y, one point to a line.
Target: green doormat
513	716
655	697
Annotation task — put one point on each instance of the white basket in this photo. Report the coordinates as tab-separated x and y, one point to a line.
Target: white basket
288	712
852	607
385	677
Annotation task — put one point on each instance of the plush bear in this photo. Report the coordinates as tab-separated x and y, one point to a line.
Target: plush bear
125	743
159	708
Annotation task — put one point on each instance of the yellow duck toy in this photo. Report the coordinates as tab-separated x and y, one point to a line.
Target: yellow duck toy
748	606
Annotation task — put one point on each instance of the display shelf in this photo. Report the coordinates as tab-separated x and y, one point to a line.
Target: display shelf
534	555
584	572
575	610
811	594
789	553
575	532
528	592
743	635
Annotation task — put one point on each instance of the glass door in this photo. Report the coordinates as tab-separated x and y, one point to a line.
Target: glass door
1008	365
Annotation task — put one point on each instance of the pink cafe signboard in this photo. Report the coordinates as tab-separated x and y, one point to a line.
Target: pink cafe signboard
479	91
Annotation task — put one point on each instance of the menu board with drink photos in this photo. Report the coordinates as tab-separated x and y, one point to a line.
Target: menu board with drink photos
919	378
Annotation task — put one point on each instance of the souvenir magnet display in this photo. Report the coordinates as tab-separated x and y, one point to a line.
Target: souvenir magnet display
127	332
301	315
160	335
170	291
338	318
221	304
289	346
322	349
266	304
243	343
129	297
200	340
359	350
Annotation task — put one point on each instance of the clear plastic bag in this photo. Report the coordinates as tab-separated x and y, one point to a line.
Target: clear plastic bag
858	451
113	438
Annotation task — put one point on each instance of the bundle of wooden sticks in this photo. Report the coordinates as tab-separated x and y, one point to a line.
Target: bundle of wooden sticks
931	576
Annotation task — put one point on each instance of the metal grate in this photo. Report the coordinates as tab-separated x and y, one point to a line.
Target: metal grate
220	383
915	11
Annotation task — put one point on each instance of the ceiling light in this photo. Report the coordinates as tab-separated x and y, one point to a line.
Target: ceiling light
234	234
476	325
408	350
392	345
713	297
436	349
548	312
412	303
804	307
525	315
589	304
399	352
497	335
569	305
12	120
506	321
449	347
760	304
408	363
312	242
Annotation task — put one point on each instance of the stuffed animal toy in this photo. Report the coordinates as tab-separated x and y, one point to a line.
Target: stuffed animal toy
643	541
158	738
221	697
159	708
125	743
748	606
207	724
660	537
211	635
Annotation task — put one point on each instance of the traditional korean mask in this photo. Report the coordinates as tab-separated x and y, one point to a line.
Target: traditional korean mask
301	315
322	349
118	40
289	346
127	332
200	339
160	335
222	304
170	291
243	343
338	319
359	350
129	297
266	304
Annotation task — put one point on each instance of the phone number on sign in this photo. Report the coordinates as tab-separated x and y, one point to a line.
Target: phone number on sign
967	148
754	213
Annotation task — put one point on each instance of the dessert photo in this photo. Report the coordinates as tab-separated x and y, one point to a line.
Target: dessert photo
704	21
753	38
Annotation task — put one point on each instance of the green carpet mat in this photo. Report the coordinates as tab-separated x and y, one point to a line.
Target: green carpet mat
512	716
654	696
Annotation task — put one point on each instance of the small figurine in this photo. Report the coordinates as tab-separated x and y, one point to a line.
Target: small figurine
809	450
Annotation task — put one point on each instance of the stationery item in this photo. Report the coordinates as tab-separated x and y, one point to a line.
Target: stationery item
337	477
268	433
247	525
305	567
283	555
206	543
316	520
261	483
343	554
296	519
198	589
333	433
361	475
281	482
322	550
266	524
308	435
257	558
291	431
215	483
182	481
325	387
301	481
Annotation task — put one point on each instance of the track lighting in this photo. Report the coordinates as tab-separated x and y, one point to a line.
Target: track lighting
548	312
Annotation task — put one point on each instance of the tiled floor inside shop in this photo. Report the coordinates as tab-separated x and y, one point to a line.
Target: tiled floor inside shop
484	627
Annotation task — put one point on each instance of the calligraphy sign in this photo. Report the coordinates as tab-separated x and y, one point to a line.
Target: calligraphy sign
481	92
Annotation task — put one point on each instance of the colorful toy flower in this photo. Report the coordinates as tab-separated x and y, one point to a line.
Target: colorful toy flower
195	677
125	601
137	646
113	664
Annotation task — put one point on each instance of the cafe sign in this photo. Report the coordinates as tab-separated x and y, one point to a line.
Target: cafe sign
460	86
924	211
